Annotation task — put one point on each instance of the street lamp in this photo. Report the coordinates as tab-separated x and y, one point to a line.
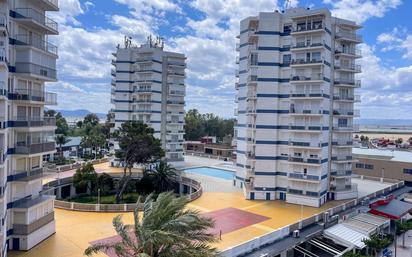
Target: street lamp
98	196
383	173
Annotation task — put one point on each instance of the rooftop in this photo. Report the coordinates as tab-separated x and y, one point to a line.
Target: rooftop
240	220
393	155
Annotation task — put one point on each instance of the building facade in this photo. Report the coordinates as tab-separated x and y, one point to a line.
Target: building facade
295	96
27	62
149	85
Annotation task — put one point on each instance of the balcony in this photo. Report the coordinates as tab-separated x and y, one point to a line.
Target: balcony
307	145
304	160
25	203
348	67
2	156
175	102
349	52
36	20
3	89
342	158
37	71
301	192
342	112
3	23
34	148
3	58
347	82
306	62
309	94
300	46
27	229
346	98
342	143
251	95
33	95
25	40
180	64
303	177
48	5
26	176
303	112
144	59
177	92
344	188
175	73
349	36
341	173
251	110
346	128
315	77
32	121
308	28
316	128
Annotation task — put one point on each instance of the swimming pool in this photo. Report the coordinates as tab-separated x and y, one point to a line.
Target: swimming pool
212	172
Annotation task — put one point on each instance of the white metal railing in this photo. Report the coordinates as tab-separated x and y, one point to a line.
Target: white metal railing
306	93
3	20
350	51
313	76
37	43
27	67
36	16
3	55
349	35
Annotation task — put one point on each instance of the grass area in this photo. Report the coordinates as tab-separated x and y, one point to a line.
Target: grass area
106	199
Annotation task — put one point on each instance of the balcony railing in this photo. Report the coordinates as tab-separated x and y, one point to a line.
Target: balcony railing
299	143
3	88
33	121
346	97
36	69
306	44
34	148
349	128
351	67
307	93
342	158
306	61
33	95
307	127
347	81
314	76
303	176
346	112
341	173
304	112
38	17
38	43
3	55
27	175
3	20
349	36
349	51
312	160
308	27
342	143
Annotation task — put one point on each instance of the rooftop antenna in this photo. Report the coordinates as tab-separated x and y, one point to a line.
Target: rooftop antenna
287	4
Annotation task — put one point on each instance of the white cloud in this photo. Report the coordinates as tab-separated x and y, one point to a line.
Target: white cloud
361	10
398	39
68	10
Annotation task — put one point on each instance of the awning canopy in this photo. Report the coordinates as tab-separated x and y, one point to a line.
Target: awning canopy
346	236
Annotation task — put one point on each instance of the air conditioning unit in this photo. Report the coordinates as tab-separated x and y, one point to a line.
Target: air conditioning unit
296	233
326	216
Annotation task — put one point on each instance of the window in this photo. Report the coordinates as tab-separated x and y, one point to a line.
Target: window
287	58
316	56
407	171
359	165
287	28
369	166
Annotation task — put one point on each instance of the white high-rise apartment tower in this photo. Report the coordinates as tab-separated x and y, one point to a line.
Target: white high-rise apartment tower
27	62
148	85
296	106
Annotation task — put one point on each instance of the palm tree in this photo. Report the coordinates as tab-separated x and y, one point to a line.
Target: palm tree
167	229
163	176
61	140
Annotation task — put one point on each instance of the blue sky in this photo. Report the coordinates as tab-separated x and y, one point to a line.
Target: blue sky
205	31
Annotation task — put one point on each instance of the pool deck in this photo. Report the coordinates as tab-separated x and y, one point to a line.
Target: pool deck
75	230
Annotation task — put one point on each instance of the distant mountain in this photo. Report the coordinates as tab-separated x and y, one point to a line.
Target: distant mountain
79	113
392	122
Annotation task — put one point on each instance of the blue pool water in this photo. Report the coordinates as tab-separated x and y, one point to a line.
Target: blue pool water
212	172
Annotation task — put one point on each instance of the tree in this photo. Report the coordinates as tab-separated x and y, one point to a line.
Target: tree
85	178
167	229
105	183
95	139
163	177
61	139
402	228
194	129
377	243
137	146
399	141
61	124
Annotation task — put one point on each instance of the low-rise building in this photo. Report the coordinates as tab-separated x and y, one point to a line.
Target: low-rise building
390	164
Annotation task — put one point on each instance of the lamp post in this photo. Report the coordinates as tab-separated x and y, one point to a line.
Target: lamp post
98	196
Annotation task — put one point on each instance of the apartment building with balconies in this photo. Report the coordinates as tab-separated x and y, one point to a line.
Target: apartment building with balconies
295	96
27	63
148	85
